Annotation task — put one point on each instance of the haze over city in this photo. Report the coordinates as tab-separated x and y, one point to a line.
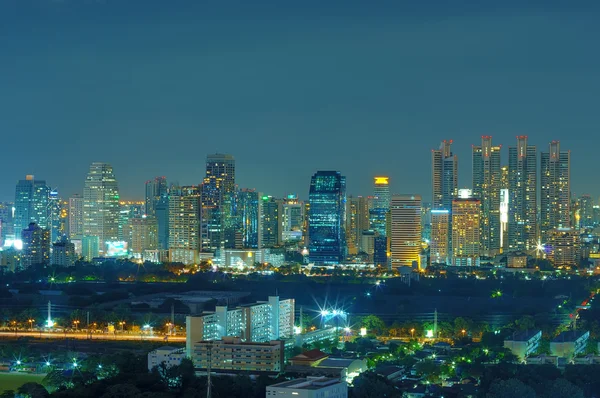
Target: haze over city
289	89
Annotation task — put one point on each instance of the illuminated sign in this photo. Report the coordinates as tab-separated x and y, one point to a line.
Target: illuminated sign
382	180
116	249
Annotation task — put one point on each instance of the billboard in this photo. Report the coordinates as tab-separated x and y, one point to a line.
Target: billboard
116	249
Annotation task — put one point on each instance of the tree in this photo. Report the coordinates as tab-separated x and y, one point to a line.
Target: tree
511	388
33	390
369	385
562	388
126	390
373	324
430	370
525	323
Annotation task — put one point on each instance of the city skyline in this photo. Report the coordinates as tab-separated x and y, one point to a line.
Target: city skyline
278	89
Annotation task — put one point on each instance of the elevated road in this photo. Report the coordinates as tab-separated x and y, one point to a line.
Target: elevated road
92	336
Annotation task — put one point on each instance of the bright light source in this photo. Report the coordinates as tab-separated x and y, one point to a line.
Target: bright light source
429	334
363	332
297	330
378	283
146	326
18	362
99	366
347	330
324	312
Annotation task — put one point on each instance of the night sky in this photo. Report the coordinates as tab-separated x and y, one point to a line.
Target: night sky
290	87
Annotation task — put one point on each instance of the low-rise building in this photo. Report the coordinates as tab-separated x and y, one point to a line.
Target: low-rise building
316	336
524	344
310	387
570	343
171	356
231	355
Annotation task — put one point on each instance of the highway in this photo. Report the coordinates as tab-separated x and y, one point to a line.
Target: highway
92	336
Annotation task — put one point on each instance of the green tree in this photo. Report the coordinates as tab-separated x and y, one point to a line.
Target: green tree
560	388
373	324
511	388
32	390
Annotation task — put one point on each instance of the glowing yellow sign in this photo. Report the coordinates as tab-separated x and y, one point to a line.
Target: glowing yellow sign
382	180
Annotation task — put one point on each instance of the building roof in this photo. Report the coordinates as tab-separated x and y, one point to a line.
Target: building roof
569	336
524	336
312	355
336	363
167	348
388	370
310	383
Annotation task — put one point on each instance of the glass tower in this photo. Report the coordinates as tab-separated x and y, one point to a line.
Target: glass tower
31	204
327	218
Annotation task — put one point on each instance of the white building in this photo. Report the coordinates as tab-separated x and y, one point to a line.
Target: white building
524	344
171	356
63	254
311	387
258	322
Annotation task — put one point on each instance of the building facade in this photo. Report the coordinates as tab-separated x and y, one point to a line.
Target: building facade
184	225
156	189
466	243
36	245
444	176
555	199
439	239
405	230
31	204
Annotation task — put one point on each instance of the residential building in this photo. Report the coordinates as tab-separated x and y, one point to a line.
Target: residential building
63	253
231	355
156	189
170	356
310	387
522	180
357	220
327	218
586	211
565	247
555	198
101	205
569	344
405	230
141	234
524	343
487	177
161	210
76	216
292	219
36	245
269	222
444	176
466	221
217	184
439	243
184	225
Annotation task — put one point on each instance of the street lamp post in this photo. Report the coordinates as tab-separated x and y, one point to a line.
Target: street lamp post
122	323
412	333
31	324
76	323
463	332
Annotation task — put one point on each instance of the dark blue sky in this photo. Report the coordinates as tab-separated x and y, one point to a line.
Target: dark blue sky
289	87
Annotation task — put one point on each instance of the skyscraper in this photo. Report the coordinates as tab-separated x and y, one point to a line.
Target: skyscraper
444	175
380	205
465	232
555	189
439	242
406	230
522	203
218	182
487	177
292	219
36	245
101	204
156	189
141	233
76	216
357	221
184	225
269	220
327	218
31	204
586	211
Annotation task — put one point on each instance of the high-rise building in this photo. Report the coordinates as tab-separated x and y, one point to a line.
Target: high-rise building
269	219
127	211
184	225
7	226
101	204
63	253
141	234
76	216
357	220
586	211
218	183
406	230
380	205
522	181
156	189
161	209
31	204
487	177
439	250
327	218
555	198
444	176
36	245
292	219
465	232
565	247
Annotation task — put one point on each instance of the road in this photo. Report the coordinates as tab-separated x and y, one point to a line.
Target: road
93	336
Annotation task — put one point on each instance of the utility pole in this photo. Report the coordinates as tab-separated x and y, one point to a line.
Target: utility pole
435	323
208	370
49	323
172	317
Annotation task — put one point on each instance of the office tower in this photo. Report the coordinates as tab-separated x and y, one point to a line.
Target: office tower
504	207
161	210
586	211
269	221
6	222
466	219
141	234
565	247
522	181
101	205
127	211
555	195
55	216
439	242
76	216
444	176
63	253
380	205
244	223
31	204
487	177
327	218
184	225
380	251
156	189
90	247
217	184
357	220
36	245
292	219
406	230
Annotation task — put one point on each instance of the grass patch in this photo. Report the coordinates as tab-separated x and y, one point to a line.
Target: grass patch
12	381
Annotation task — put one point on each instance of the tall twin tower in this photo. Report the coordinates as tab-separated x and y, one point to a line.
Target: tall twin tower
509	194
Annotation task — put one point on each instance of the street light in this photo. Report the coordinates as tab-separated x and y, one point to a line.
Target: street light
169	325
31	324
463	332
122	323
76	323
412	333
